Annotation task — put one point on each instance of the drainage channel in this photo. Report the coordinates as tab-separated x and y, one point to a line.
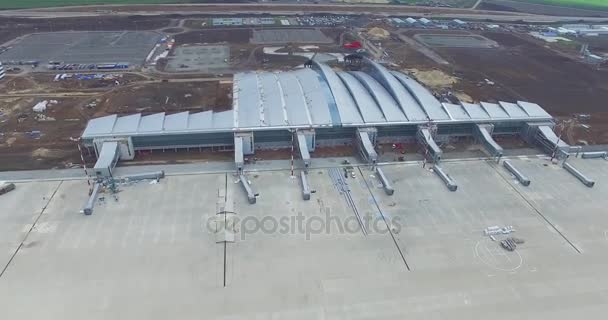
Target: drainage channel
531	205
30	230
385	222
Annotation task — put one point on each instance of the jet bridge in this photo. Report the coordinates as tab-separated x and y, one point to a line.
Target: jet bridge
243	145
107	160
483	133
542	134
425	138
239	159
366	140
303	147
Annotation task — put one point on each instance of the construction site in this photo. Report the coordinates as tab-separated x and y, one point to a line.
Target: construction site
302	166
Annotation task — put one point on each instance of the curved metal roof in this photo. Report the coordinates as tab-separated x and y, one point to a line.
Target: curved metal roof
369	109
315	97
318	97
344	101
431	106
389	106
407	103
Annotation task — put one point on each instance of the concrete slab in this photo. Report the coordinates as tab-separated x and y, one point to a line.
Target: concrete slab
199	58
83	47
150	255
443	230
150	248
577	211
286	274
19	211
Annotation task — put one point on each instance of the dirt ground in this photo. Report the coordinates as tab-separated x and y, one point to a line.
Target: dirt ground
44	82
33	141
30	140
521	68
167	97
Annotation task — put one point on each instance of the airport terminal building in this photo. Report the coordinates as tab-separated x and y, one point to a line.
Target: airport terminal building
318	106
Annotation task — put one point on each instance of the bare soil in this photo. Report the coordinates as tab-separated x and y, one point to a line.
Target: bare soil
167	97
524	70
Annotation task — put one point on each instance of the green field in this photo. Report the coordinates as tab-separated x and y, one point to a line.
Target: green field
585	4
19	4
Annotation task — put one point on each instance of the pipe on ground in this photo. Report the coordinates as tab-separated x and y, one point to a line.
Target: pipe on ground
520	176
452	186
305	186
88	208
250	195
579	175
595	155
385	183
146	175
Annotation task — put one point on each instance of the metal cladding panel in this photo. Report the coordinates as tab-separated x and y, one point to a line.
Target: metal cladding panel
295	102
344	101
533	110
223	120
494	110
425	100
201	120
513	110
389	106
177	121
152	123
249	100
315	96
127	123
103	125
457	111
106	155
407	103
368	107
475	111
272	101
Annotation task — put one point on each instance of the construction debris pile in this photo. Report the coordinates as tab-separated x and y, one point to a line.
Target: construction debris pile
508	243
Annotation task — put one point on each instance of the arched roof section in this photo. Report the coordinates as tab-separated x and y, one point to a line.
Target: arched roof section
407	103
431	106
383	98
369	109
344	101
